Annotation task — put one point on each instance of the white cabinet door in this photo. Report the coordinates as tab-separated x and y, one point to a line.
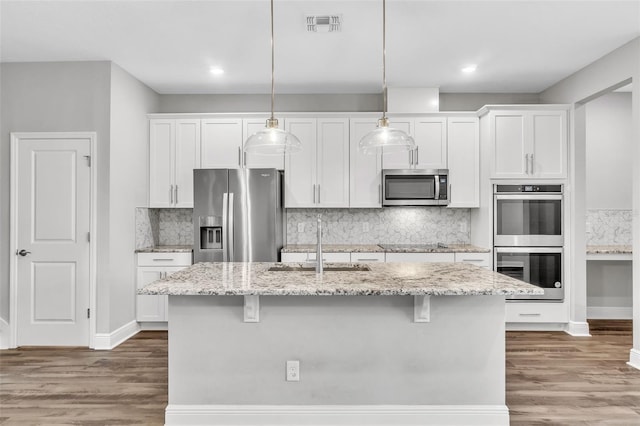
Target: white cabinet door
509	144
332	163
161	162
419	257
221	143
187	158
330	257
150	308
255	161
464	161
402	159
300	177
479	259
548	152
365	178
430	134
529	144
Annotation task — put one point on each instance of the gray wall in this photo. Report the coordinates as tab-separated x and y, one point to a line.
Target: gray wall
129	154
475	101
51	97
609	148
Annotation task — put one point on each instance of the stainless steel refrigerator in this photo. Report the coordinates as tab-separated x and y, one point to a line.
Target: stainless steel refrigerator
237	215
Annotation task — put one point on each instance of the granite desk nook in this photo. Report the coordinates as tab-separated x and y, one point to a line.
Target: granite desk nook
377	344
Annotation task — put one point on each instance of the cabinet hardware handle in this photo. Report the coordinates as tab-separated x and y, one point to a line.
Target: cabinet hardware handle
472	260
531	157
364	259
176	189
417	155
244	159
318	193
314	193
171	193
526	163
410	157
162	260
530	315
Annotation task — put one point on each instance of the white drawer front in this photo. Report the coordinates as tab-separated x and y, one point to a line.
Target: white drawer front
367	257
478	259
164	259
420	257
293	257
536	312
331	257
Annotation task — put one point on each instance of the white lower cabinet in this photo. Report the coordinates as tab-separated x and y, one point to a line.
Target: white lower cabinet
152	267
478	259
420	257
311	257
536	312
368	257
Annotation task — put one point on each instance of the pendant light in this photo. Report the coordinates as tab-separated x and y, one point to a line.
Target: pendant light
385	137
271	140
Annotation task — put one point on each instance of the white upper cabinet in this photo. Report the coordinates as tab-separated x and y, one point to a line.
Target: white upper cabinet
319	175
529	144
221	145
430	134
464	161
256	161
174	149
365	177
401	159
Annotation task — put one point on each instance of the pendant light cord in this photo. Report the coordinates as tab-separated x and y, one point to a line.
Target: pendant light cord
272	64
384	60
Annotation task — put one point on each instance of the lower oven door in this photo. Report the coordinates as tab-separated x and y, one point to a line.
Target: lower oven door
540	266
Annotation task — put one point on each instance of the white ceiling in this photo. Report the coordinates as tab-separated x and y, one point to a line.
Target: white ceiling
519	46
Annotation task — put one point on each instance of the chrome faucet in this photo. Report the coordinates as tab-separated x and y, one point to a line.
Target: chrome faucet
319	261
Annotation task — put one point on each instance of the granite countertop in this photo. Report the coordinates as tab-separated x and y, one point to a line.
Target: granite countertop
385	279
166	249
609	249
389	248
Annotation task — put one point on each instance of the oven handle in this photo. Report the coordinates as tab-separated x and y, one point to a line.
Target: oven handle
528	250
541	197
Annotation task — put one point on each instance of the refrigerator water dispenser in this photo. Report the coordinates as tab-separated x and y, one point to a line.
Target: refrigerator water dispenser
211	237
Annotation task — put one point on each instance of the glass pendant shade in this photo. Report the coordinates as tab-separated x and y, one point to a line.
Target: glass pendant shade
272	141
386	138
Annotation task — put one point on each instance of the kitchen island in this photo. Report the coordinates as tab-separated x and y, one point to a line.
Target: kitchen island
385	344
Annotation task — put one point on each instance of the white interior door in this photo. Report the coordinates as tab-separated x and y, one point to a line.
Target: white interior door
52	226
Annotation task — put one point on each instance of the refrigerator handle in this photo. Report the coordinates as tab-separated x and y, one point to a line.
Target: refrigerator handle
230	224
225	235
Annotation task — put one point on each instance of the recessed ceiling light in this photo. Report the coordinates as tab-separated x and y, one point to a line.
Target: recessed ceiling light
216	71
469	68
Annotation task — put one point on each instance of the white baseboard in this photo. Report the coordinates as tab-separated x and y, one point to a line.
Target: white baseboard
535	326
108	341
609	312
634	358
336	415
162	326
5	334
578	329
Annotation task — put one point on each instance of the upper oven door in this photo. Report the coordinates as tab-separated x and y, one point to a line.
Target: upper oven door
528	220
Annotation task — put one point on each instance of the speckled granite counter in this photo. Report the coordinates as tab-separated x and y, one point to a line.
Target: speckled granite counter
166	249
391	248
609	249
384	279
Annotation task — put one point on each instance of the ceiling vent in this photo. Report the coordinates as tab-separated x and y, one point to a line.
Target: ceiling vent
324	23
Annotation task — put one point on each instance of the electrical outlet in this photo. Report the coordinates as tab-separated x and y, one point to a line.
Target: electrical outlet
365	226
301	227
293	371
463	227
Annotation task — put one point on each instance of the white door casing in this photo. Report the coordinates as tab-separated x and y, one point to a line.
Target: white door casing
52	198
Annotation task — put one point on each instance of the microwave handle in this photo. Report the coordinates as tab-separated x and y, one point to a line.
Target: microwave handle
437	179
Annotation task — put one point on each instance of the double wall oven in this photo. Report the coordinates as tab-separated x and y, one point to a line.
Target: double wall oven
528	236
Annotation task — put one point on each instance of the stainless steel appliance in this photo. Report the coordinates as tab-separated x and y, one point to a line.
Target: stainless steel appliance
540	266
237	215
415	187
528	236
528	215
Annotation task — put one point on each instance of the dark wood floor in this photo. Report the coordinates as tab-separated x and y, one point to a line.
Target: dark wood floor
552	378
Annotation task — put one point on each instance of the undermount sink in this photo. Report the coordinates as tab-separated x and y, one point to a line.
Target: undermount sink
344	268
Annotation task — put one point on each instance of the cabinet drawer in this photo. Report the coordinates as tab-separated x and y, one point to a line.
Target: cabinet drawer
536	312
367	257
164	259
293	257
311	257
478	259
419	257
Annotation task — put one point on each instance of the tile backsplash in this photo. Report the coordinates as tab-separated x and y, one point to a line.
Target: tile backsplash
396	225
609	227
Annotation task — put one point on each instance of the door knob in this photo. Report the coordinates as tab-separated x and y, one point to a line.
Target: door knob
23	252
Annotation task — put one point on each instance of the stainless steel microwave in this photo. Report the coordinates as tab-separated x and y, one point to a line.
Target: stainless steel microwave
415	187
